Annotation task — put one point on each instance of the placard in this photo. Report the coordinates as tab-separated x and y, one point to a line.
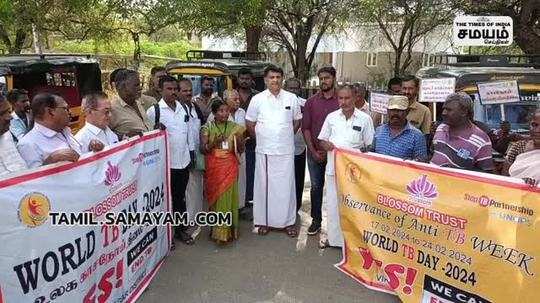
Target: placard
436	89
378	102
498	92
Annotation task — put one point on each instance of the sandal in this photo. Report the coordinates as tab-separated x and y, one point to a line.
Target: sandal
186	238
263	230
291	231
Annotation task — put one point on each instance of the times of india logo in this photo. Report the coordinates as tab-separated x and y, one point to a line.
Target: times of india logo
34	209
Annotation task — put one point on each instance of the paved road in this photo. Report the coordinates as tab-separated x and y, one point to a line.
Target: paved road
269	269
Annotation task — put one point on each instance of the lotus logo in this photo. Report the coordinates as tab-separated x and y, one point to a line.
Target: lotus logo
422	191
112	174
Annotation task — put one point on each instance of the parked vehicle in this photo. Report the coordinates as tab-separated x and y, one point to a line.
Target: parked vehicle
70	76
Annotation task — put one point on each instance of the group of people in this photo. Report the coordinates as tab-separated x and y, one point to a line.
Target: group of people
248	149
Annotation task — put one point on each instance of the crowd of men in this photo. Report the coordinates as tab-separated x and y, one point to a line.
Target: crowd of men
284	132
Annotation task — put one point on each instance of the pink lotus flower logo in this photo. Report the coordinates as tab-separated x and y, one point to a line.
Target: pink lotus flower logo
112	174
422	190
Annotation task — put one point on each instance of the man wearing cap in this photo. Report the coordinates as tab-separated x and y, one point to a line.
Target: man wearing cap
350	128
398	138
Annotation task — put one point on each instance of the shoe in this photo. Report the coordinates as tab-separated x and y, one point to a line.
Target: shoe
314	229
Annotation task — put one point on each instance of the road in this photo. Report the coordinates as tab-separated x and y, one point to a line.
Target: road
258	269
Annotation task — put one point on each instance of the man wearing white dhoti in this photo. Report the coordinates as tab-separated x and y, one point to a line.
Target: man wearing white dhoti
272	118
349	128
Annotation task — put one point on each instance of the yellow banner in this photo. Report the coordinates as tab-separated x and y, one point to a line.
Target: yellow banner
436	235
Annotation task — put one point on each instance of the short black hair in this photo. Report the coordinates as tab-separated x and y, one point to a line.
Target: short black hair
42	101
408	78
245	71
157	69
216	103
327	69
123	75
186	80
112	76
206	77
273	68
15	94
394	81
166	78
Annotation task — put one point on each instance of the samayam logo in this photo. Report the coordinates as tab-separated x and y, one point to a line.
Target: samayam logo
34	209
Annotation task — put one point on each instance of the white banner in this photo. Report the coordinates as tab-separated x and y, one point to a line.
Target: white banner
437	89
44	263
498	92
378	102
483	30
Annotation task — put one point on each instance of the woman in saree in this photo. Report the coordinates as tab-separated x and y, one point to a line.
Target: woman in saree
526	165
222	142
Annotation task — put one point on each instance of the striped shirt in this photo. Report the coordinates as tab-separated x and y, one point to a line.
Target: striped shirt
410	143
469	148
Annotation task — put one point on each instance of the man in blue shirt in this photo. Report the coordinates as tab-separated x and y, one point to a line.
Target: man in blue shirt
398	138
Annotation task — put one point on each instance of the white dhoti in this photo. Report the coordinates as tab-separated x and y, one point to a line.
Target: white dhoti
335	236
274	198
242	181
194	194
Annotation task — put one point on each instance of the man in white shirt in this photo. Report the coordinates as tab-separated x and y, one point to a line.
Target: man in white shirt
10	160
350	128
194	192
96	134
50	140
169	112
294	86
272	118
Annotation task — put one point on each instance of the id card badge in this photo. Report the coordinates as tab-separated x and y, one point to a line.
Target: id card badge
225	145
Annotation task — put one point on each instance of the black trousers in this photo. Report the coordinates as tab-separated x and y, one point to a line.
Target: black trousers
179	181
250	168
299	175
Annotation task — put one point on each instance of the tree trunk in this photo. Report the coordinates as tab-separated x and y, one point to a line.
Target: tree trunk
253	36
136	50
302	64
36	35
397	61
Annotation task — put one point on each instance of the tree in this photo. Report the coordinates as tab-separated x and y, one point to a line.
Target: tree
229	18
404	23
298	26
524	13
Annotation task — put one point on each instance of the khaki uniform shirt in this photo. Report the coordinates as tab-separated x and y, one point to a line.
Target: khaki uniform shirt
125	119
420	117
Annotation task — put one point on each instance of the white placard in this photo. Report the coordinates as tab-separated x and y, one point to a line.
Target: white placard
498	92
483	30
437	89
378	102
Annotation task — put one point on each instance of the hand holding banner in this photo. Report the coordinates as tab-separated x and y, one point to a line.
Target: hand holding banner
437	235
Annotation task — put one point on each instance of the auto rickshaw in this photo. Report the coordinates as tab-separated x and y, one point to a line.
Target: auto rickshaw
70	76
472	69
223	66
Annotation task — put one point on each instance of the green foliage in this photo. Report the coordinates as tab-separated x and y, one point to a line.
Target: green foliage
175	49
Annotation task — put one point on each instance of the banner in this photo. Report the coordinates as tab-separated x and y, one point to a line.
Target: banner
483	30
42	263
498	92
436	89
378	102
430	235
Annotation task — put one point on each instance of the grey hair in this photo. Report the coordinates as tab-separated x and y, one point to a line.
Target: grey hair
227	93
90	101
293	80
464	101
